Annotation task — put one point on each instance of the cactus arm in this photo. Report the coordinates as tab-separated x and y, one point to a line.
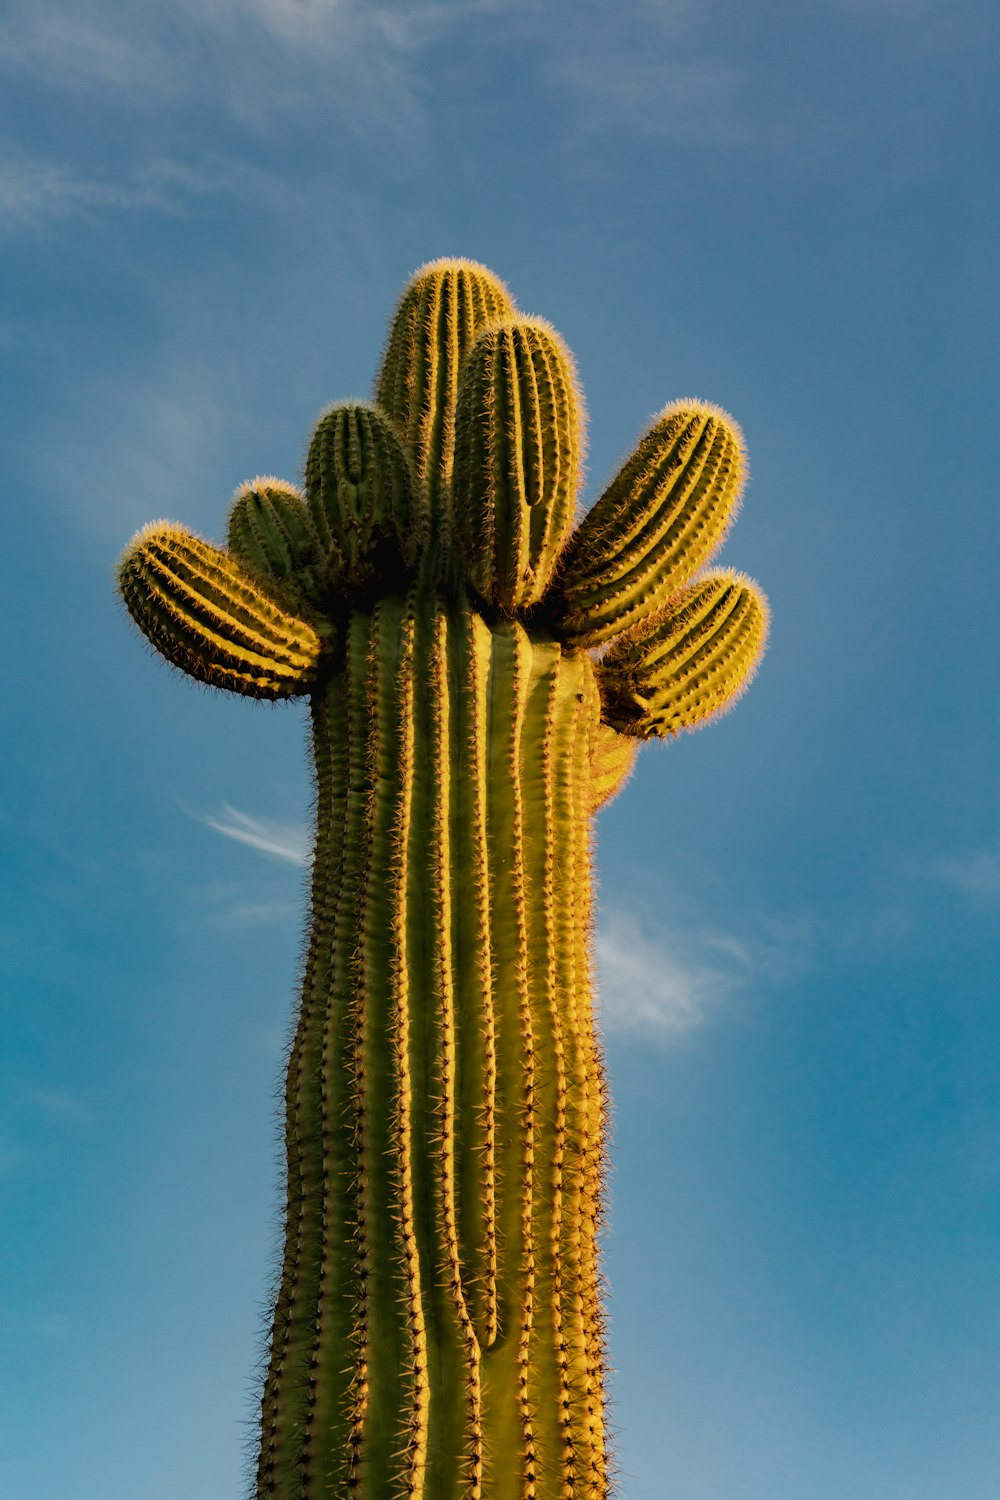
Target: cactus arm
270	533
370	525
445	305
690	662
206	615
517	460
661	518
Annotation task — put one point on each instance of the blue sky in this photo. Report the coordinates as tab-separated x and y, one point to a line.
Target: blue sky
207	211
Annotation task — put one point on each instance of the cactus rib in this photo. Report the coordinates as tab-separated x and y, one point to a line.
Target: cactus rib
444	306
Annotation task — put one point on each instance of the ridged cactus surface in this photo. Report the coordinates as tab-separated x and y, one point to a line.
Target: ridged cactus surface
438	1329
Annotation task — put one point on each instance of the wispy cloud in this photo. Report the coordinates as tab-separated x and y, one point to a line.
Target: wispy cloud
663	71
134	445
382	68
56	1103
251	56
975	872
226	907
653	984
285	841
86	46
35	192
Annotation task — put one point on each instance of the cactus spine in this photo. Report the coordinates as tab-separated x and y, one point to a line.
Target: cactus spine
437	1328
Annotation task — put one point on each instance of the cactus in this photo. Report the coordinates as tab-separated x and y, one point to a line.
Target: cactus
437	1328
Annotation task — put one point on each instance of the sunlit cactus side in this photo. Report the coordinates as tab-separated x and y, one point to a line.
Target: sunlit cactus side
661	518
203	613
440	315
694	659
438	1327
517	460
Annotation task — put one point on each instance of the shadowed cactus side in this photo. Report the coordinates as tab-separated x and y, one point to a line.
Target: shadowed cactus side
438	1328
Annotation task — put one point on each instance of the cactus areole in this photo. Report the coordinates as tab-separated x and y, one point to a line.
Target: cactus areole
438	1329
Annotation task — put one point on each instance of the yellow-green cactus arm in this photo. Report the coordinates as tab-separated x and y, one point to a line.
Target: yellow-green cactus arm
270	533
661	518
361	503
518	442
205	613
690	662
444	307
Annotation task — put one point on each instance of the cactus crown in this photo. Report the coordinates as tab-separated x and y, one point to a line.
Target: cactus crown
466	470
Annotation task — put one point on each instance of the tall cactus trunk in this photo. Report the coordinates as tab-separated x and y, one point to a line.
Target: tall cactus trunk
437	1331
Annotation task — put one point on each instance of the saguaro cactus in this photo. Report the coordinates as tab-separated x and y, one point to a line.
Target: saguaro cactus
438	1327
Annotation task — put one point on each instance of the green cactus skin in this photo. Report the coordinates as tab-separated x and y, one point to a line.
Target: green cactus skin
517	460
438	1327
663	516
688	663
360	498
270	533
442	311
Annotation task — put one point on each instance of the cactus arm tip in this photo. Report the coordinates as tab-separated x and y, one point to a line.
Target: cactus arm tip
691	662
369	518
663	516
518	453
206	614
442	309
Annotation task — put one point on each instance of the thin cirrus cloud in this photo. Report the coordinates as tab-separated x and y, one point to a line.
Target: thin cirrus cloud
381	67
82	47
35	192
638	53
382	56
976	873
94	44
652	986
284	841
